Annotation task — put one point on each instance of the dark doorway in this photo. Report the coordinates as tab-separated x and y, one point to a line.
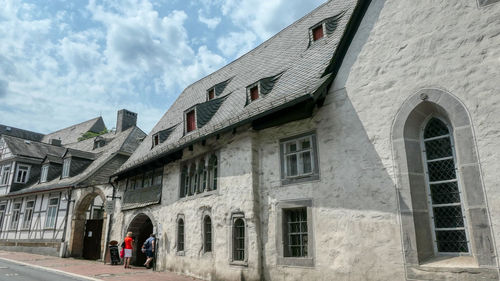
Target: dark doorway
92	239
141	227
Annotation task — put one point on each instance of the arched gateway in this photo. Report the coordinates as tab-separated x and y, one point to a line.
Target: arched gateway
141	226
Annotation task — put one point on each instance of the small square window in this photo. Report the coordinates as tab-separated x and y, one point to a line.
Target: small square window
317	32
299	159
211	94
190	121
22	174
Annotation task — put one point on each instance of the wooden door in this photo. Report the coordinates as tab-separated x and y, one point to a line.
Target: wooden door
92	239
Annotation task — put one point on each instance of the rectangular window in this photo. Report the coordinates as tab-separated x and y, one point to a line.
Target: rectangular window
22	173
50	220
317	32
295	232
298	158
254	93
190	121
5	175
15	215
28	214
211	93
2	215
45	172
238	238
66	166
156	139
148	179
158	175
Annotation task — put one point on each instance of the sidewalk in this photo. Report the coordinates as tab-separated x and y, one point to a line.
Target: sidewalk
92	269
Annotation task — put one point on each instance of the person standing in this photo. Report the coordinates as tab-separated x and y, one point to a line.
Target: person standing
129	245
149	246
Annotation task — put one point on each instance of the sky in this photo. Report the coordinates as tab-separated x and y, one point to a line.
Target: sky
65	62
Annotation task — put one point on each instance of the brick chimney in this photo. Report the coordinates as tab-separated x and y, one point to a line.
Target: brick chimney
125	119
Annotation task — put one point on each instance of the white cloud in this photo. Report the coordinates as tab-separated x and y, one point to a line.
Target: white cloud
210	22
237	43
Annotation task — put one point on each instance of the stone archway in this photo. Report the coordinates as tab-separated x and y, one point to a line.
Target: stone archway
88	228
141	227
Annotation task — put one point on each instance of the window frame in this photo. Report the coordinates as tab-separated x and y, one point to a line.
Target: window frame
282	259
2	214
44	173
53	221
314	174
180	252
16	214
19	171
192	177
155	139
28	211
207	243
66	169
234	217
211	93
5	179
317	27
186	127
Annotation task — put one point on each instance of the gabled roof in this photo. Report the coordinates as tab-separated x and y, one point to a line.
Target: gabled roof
20	133
52	159
303	68
119	143
79	154
71	134
32	149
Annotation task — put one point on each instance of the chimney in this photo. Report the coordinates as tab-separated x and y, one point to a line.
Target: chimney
125	119
55	142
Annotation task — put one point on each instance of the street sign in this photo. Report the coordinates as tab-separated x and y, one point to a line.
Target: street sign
109	206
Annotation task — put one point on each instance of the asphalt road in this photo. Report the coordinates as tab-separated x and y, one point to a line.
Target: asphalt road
16	272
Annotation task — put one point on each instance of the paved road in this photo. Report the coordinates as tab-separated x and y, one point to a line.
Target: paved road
17	272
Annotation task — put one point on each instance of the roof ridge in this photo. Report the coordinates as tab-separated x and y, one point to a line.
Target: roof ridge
95	118
45	143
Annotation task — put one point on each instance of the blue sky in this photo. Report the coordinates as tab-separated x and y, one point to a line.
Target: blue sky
64	62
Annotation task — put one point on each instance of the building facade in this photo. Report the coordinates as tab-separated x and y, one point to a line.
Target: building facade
54	189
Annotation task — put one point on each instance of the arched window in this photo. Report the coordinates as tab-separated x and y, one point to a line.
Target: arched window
212	170
239	240
445	208
180	235
207	234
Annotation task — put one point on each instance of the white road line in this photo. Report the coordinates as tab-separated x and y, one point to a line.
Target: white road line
51	269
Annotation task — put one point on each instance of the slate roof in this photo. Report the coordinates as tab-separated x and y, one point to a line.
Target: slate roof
305	69
32	149
72	133
20	133
118	143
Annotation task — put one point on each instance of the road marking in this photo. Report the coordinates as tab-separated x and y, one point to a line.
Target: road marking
51	269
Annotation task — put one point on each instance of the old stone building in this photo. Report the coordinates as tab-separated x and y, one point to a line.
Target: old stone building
53	187
359	143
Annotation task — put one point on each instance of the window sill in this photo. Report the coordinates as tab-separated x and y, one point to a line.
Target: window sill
180	253
298	262
199	195
299	179
451	262
238	263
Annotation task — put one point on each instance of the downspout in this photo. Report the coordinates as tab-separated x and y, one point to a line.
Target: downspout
110	219
67	216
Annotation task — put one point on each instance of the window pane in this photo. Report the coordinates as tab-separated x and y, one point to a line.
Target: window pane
306	162
444	193
438	148
291	147
305	143
448	216
454	241
441	170
292	164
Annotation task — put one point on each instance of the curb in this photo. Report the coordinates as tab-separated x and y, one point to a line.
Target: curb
51	269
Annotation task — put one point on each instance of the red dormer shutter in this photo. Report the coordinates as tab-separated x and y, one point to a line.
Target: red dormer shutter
190	121
317	32
254	93
211	94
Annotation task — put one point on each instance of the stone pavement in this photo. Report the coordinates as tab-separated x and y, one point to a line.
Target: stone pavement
92	269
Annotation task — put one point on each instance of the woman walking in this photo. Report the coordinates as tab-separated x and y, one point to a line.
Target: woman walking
129	245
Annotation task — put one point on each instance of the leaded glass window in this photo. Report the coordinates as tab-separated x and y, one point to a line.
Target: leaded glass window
180	235
295	232
239	240
447	215
207	235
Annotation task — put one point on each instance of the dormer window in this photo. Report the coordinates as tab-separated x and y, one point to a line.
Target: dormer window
211	94
99	142
22	174
253	92
66	165
190	121
156	139
45	172
317	32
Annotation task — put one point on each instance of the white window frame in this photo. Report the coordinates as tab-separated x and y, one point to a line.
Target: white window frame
249	97
66	167
51	215
44	173
232	260
3	209
23	170
5	178
284	156
16	215
428	189
28	214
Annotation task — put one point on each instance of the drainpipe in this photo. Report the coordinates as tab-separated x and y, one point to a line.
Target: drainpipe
67	215
110	219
